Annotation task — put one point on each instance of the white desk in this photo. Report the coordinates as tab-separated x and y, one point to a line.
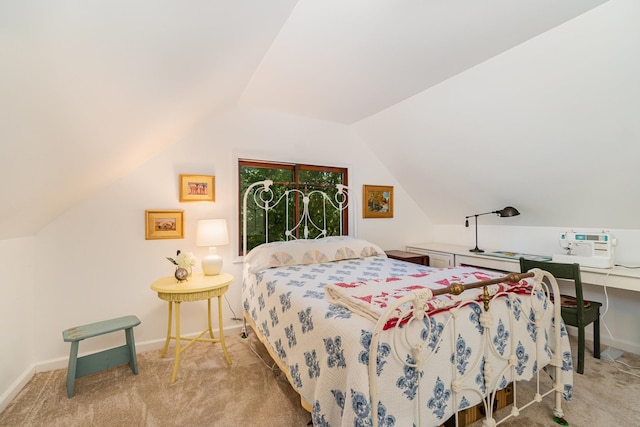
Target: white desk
447	255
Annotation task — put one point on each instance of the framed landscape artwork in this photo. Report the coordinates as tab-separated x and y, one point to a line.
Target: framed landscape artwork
164	225
197	188
377	201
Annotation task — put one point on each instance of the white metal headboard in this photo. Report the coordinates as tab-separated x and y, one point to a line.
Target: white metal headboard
263	197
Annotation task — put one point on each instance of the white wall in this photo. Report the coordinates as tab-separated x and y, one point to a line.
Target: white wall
620	310
550	126
536	240
94	262
17	315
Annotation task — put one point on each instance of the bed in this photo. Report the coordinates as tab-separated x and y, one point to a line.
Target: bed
445	339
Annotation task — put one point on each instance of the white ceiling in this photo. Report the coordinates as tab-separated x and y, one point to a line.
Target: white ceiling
90	90
550	127
343	61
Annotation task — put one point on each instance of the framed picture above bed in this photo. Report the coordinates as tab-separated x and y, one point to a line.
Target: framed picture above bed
164	224
197	188
377	201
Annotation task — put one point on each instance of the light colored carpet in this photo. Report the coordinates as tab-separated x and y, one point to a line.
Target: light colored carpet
208	392
602	396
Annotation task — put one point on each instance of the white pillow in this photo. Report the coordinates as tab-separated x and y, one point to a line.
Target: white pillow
309	251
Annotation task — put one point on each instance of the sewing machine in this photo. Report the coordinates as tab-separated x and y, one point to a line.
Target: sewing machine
587	249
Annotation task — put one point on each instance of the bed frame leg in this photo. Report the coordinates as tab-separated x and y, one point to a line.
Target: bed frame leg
558	417
244	329
561	421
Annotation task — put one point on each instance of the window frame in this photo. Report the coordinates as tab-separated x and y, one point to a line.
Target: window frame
296	168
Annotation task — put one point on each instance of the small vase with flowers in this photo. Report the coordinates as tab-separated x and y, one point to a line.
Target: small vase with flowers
184	262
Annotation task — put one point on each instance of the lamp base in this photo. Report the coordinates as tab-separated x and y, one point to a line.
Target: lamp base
476	249
212	264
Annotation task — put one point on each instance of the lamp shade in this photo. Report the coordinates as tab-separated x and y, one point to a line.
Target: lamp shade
212	233
508	211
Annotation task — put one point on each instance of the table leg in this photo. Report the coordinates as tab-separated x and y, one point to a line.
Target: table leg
221	329
166	343
178	341
209	318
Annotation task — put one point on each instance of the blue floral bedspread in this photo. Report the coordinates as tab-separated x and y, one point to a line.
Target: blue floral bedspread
326	347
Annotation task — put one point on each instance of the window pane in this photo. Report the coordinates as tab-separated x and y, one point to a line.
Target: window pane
327	181
255	216
286	176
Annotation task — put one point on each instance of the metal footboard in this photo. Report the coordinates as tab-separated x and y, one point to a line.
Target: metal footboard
421	352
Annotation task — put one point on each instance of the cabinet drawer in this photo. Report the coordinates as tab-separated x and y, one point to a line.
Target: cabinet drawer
491	264
436	259
413	257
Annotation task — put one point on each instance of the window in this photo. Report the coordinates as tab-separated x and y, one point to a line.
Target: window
286	176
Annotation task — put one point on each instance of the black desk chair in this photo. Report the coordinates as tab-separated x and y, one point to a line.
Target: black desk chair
576	311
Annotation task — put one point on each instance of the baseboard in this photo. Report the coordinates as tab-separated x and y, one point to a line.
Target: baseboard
16	387
606	341
62	362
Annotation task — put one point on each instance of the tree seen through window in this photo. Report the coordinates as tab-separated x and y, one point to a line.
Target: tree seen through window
286	177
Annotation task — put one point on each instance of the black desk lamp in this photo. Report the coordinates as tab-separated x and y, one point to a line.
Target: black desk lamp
506	212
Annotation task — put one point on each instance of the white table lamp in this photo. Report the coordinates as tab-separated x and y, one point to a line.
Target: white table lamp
212	233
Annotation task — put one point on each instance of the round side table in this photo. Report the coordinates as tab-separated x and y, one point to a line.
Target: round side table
198	287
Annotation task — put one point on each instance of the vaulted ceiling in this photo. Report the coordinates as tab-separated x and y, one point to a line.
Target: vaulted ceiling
92	89
346	60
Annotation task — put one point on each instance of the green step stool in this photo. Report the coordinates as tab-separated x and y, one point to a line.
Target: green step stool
85	365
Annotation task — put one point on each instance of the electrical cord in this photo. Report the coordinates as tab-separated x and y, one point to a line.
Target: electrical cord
604	323
273	368
627	266
235	317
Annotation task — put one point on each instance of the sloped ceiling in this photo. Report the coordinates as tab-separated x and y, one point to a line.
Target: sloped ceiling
92	89
550	127
346	60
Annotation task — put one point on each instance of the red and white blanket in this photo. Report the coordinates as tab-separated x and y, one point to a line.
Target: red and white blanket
370	299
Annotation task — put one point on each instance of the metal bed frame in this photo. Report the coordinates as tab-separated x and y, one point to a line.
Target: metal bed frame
264	198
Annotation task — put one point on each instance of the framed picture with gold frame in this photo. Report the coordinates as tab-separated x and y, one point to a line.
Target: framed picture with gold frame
377	201
197	188
164	225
